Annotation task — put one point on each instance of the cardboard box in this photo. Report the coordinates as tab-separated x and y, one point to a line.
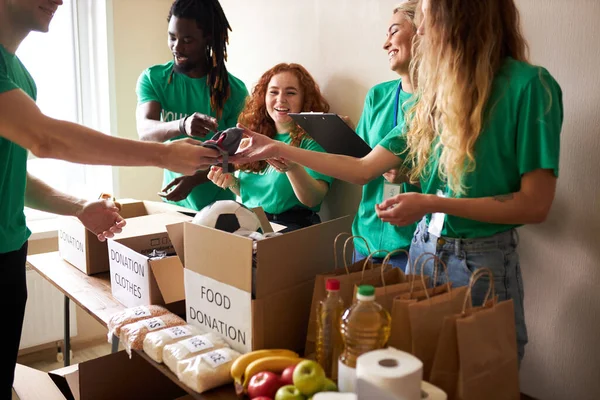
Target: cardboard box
135	278
114	377
253	308
81	248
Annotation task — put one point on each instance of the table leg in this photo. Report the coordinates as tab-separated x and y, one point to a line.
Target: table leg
115	344
67	347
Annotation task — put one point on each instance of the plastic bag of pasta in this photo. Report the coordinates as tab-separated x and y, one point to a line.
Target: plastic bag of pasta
131	315
132	335
187	348
154	342
208	370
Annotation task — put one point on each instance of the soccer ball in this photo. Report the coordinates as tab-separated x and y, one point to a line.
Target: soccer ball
229	216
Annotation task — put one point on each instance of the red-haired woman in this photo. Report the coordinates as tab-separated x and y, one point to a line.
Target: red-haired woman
289	193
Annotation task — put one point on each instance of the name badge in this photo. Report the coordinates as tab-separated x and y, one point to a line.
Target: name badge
436	223
390	190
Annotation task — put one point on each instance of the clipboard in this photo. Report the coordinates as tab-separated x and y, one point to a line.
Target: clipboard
332	133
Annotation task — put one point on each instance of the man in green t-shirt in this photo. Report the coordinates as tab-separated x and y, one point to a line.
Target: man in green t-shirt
192	95
23	127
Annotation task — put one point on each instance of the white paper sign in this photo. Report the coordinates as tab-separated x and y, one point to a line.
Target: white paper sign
220	308
197	343
71	243
216	358
177	332
153	323
129	275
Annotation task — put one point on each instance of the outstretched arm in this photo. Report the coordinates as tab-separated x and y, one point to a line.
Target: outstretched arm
350	169
23	123
101	216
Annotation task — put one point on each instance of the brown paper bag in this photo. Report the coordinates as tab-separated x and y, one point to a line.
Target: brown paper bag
348	275
393	282
417	317
477	355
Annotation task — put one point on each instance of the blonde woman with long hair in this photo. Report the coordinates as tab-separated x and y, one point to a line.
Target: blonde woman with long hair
484	141
383	112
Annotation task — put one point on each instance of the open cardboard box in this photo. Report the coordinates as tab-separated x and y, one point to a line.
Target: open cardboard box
135	278
266	306
81	248
114	377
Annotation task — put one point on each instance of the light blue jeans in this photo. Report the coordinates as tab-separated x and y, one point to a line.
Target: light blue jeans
465	256
399	260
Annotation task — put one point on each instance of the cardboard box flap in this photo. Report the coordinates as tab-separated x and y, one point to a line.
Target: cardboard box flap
168	273
31	384
175	232
226	257
131	208
289	251
67	380
264	221
157	207
149	224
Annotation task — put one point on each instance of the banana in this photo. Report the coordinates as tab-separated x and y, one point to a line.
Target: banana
273	364
239	365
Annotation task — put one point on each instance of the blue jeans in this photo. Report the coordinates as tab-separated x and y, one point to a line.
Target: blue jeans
465	256
399	260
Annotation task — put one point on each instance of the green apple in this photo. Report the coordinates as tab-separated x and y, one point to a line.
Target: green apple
309	377
289	392
329	386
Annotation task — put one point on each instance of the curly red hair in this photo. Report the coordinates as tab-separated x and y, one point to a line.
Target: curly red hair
255	115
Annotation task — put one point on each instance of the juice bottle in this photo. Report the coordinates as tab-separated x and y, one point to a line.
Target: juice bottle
329	339
365	326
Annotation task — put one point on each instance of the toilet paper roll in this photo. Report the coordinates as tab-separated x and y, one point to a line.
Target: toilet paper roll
335	396
430	392
391	371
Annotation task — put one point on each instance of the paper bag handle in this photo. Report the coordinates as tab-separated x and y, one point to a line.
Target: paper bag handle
362	275
416	271
474	278
346	246
386	262
435	269
335	255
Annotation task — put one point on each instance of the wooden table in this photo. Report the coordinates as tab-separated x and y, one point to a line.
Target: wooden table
94	296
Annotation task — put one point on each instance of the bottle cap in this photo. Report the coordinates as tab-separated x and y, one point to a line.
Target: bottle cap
332	285
366	292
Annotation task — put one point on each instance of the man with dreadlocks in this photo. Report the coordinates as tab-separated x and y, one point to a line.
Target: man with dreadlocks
192	95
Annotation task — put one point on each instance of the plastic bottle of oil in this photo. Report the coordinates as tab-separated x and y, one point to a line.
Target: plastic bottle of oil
365	326
329	338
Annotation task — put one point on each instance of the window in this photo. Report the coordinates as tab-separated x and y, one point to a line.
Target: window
70	66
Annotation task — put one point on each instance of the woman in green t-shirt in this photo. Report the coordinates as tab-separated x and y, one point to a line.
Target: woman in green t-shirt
483	141
289	193
383	112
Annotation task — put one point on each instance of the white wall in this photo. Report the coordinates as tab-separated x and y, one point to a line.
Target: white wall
560	258
139	40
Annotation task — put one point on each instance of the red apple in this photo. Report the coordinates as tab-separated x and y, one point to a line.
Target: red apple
287	375
264	384
262	398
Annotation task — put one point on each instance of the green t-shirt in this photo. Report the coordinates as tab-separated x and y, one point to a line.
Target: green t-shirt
272	190
184	96
13	161
521	133
376	121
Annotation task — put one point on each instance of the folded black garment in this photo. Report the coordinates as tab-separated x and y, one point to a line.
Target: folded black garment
226	142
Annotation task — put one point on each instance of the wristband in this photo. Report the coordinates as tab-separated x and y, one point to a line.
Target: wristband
182	125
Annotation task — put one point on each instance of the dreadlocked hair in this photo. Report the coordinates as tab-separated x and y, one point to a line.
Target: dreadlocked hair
256	117
209	17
